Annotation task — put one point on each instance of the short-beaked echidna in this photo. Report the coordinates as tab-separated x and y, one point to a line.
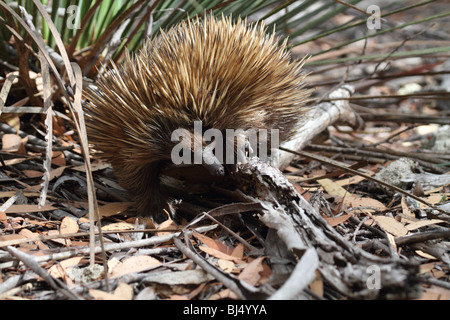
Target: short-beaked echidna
228	75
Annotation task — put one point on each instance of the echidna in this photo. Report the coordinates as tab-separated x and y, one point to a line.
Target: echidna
228	75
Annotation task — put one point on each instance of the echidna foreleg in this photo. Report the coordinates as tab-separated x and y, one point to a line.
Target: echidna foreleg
145	188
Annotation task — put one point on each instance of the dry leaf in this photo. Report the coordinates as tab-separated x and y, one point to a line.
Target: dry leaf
238	252
32	173
426	267
112	263
64	242
391	240
29	234
118	226
13	120
59	270
58	158
96	166
332	188
251	273
147	293
29	208
435	198
9	194
391	225
438	273
3	218
35	188
213	243
334	221
348	181
317	285
168	224
68	225
405	209
290	169
11	142
354	201
435	293
178	280
423	223
425	255
11	237
224	294
303	191
336	190
114	208
178	297
55	173
218	254
221	246
266	273
122	292
206	240
134	264
226	265
11	162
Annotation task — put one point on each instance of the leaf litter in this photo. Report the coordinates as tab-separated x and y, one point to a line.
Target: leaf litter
231	253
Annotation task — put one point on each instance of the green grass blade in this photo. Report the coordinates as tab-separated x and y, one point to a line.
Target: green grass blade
381	32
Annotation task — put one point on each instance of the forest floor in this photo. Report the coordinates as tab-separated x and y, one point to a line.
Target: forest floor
405	142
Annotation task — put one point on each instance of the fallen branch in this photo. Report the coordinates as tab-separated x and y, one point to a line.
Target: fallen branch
316	121
346	268
304	271
240	288
30	261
